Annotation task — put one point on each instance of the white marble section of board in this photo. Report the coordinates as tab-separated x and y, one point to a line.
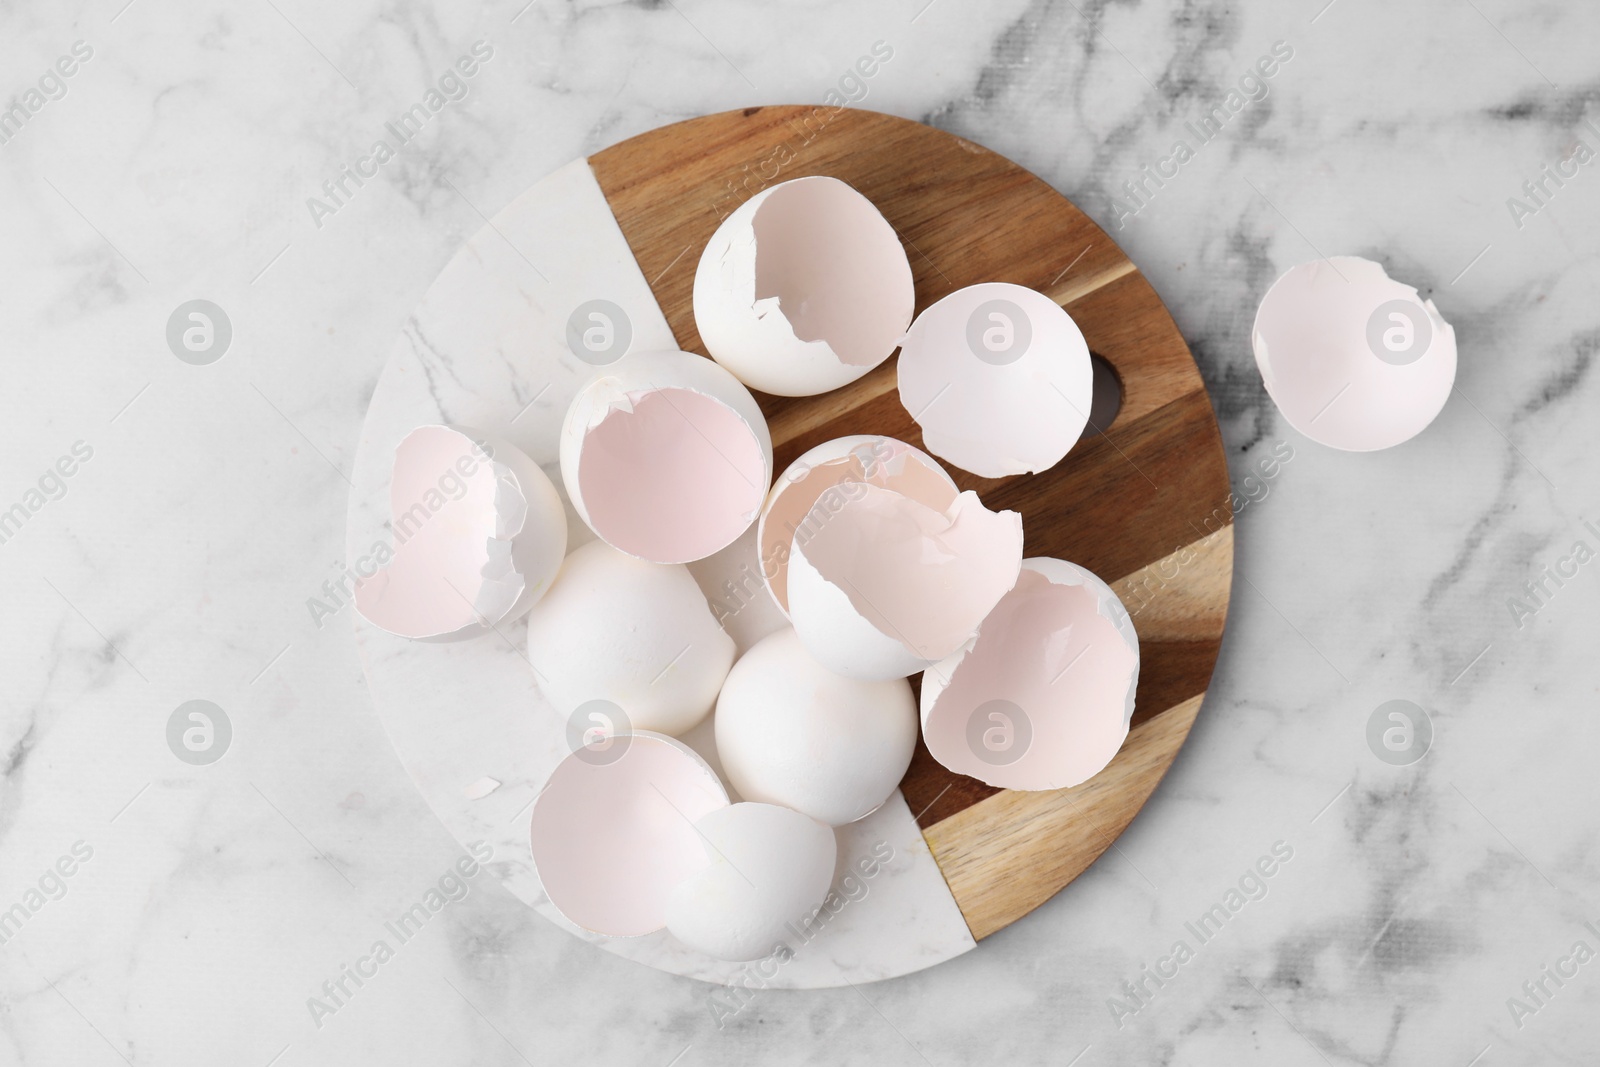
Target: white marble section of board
486	348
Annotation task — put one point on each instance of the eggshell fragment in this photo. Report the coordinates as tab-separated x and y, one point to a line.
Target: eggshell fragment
666	456
889	585
479	533
998	377
1042	698
791	732
803	289
612	838
1352	358
766	867
817	484
637	634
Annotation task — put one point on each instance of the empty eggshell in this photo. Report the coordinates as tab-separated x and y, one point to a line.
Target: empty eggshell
479	534
1354	359
637	634
998	376
807	494
889	585
1042	698
612	838
766	867
803	289
791	732
666	456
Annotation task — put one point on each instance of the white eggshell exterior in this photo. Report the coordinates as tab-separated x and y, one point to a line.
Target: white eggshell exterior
791	732
995	420
638	634
837	635
768	867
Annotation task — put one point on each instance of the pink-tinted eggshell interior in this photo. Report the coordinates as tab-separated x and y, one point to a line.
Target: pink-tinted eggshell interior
611	840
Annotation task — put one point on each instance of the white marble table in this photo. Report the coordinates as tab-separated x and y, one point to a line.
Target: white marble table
208	904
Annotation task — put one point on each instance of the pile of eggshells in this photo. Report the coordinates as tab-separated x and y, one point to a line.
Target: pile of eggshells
883	568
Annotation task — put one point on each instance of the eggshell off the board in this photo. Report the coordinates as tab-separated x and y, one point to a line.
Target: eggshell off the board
1352	358
888	586
666	456
818	483
612	838
998	376
637	634
766	867
479	533
1042	698
803	288
791	732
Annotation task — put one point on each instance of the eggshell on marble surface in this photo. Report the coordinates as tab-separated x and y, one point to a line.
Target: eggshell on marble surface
612	838
479	532
666	456
791	732
637	634
766	867
1352	358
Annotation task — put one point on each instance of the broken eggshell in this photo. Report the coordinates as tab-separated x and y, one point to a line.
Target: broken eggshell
1352	358
814	487
803	288
637	634
889	585
613	837
766	867
998	376
791	732
1042	697
479	534
666	456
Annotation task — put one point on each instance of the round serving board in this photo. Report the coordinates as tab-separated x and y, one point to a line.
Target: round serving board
1145	504
1133	504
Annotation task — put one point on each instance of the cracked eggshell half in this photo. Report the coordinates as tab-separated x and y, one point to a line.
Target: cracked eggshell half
888	585
1042	697
613	836
479	534
998	376
803	289
791	732
766	867
1352	358
637	634
666	456
818	483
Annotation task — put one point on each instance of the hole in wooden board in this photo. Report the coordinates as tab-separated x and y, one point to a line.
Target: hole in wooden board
1107	398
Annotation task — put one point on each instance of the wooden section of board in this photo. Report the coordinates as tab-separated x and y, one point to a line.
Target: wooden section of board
1147	500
